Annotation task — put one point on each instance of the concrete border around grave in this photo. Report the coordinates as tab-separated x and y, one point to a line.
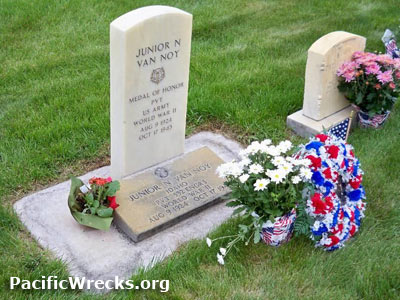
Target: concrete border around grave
46	215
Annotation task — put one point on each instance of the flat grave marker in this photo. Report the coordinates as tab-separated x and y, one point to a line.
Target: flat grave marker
157	199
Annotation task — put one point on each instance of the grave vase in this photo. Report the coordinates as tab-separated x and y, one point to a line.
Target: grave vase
279	232
367	121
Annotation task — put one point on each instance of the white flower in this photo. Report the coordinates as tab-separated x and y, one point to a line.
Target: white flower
266	142
291	159
302	162
244	162
305	173
273	151
261	184
264	145
278	160
236	170
222	170
277	175
287	167
230	168
223	251
209	242
296	179
244	178
220	259
256	169
243	153
254	147
306	162
285	146
316	225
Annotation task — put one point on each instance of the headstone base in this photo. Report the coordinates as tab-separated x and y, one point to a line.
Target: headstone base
307	127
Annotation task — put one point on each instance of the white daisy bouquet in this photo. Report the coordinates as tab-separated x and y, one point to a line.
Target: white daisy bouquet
267	184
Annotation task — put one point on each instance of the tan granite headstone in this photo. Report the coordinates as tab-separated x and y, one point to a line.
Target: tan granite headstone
160	198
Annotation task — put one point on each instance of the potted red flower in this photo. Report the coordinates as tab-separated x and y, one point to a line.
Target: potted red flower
93	205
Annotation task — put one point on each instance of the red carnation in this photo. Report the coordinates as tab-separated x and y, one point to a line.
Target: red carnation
318	204
334	241
352	153
355	184
350	169
353	230
329	203
322	137
316	161
333	151
338	229
327	173
113	203
97	181
352	216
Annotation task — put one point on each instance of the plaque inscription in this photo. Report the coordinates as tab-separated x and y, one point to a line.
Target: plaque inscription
157	199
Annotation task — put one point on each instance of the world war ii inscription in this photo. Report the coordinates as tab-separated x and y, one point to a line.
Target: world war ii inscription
157	106
162	197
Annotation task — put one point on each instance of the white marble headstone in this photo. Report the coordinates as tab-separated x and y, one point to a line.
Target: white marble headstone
324	106
321	95
149	62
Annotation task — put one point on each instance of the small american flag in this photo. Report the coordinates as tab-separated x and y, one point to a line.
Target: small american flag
340	130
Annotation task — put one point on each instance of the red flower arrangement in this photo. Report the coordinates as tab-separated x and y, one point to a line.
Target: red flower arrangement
93	205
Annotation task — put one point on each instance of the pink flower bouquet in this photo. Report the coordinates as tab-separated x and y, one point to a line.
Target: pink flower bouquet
371	82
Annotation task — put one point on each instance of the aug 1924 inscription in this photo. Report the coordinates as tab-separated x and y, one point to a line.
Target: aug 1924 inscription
155	200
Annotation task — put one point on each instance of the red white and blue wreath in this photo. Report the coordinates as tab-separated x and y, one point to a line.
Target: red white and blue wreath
336	205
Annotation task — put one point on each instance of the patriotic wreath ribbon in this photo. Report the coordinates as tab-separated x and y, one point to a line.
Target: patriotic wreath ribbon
336	206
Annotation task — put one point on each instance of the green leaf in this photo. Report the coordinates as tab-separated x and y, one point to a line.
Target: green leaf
73	205
96	203
89	199
112	188
92	221
105	212
93	210
243	228
233	203
257	237
359	98
239	210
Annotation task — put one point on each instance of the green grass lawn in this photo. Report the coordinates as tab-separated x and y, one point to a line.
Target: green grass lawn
246	75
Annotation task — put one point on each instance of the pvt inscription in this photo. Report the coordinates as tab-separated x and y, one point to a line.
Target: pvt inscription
155	200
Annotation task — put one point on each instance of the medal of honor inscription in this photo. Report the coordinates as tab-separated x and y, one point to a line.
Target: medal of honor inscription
157	199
